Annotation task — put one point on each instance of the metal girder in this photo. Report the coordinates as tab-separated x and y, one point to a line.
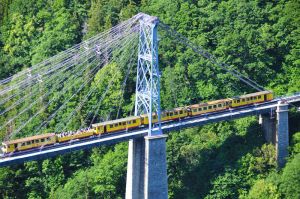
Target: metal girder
148	75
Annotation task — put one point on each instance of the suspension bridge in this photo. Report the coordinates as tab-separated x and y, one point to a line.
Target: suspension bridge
43	92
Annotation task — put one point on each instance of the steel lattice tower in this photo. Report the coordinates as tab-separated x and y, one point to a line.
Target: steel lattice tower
148	75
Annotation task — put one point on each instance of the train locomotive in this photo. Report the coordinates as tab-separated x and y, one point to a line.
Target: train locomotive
135	122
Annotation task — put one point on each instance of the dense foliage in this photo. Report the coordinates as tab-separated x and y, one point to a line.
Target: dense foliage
261	39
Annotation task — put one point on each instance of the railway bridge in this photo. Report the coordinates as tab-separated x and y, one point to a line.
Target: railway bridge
147	169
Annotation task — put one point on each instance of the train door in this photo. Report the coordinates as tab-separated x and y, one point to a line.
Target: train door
265	97
16	147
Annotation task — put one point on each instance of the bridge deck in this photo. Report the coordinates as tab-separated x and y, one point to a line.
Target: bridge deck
61	148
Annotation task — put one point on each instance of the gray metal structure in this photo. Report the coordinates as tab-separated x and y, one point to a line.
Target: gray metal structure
147	163
148	75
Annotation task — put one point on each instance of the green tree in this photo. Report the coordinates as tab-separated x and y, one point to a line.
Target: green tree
290	180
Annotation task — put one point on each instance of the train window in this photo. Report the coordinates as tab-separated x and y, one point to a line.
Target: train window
251	98
23	144
154	117
28	143
255	98
209	107
194	110
168	114
129	122
48	139
134	121
219	105
238	101
180	112
247	99
243	100
205	108
16	145
215	106
199	109
175	113
116	125
111	126
124	123
120	123
43	140
37	141
259	97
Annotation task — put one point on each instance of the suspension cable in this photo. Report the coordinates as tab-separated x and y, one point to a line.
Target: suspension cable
182	39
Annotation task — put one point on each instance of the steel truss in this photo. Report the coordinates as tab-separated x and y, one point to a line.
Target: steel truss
148	75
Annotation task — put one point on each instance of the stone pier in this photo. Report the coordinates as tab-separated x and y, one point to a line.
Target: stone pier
282	134
276	131
135	169
268	124
147	168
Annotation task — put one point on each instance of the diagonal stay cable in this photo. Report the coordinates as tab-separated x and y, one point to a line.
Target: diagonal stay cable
44	107
64	69
97	106
65	103
93	89
112	36
104	47
210	57
116	28
33	103
125	80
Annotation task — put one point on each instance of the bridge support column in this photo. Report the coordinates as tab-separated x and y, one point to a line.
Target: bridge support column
156	179
269	127
276	131
282	133
147	168
135	169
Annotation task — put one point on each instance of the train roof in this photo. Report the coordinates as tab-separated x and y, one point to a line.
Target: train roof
209	103
116	121
252	94
29	138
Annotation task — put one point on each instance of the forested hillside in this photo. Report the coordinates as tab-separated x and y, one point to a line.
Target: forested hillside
259	38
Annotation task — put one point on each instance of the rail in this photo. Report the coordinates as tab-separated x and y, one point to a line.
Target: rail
61	148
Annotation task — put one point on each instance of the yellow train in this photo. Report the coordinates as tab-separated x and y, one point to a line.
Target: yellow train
136	121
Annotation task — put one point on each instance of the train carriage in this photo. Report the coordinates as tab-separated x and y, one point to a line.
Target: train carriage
207	107
251	98
78	135
117	125
28	143
166	115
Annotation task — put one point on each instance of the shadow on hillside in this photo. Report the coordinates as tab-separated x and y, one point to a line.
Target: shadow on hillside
213	162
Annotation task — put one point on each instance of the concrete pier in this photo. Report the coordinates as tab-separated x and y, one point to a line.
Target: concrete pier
268	124
282	134
135	169
147	168
276	131
156	179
